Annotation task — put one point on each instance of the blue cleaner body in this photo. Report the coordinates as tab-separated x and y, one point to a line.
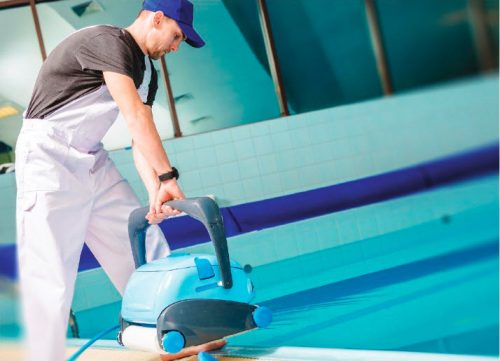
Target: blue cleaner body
186	299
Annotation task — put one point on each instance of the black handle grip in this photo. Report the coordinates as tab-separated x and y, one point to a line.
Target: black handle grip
203	209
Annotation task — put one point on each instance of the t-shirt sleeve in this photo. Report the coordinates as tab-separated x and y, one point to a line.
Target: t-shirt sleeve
106	52
153	86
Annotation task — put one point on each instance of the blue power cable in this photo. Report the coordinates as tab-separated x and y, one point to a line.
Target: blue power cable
91	341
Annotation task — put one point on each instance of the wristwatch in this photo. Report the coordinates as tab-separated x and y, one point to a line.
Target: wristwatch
174	173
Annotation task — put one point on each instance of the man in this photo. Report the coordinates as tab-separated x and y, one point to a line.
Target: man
68	190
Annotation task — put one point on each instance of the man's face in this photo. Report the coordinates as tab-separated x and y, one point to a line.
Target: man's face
165	36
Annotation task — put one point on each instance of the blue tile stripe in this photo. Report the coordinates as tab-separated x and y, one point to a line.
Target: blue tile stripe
290	208
184	231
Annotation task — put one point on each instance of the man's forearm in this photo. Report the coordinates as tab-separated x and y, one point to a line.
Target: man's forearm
146	172
139	118
148	142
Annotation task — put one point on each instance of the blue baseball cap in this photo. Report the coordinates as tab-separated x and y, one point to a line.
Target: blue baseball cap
182	12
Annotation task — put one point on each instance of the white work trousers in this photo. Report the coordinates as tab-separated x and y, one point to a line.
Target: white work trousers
66	197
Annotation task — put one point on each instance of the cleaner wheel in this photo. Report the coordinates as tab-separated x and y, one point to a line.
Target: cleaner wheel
262	316
172	341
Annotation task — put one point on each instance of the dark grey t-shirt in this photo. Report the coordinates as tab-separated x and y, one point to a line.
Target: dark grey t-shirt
74	68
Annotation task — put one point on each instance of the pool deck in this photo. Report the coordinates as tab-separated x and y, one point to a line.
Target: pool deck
111	351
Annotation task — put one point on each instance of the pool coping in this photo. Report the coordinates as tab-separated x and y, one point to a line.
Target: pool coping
310	353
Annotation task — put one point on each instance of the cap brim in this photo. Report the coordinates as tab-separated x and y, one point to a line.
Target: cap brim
192	37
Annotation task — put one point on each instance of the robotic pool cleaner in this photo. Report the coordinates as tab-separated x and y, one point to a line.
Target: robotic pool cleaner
186	299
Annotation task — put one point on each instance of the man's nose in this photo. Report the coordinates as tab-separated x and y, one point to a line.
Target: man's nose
174	47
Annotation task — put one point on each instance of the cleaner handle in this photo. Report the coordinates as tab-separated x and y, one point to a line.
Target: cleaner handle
137	227
205	210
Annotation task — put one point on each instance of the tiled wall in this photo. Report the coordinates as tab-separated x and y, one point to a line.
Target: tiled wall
7	208
330	146
360	241
352	225
326	147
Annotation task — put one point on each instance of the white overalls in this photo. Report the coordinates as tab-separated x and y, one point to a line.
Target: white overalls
70	192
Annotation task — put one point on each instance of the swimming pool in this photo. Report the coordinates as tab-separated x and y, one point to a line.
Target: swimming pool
429	285
442	304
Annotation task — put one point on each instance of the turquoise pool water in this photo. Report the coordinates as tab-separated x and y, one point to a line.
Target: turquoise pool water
444	304
440	293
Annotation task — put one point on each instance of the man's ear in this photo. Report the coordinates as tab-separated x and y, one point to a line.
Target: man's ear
158	17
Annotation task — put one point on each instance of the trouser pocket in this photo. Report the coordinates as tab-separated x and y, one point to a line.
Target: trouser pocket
42	164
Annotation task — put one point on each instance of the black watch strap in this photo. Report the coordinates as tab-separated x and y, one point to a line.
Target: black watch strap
174	173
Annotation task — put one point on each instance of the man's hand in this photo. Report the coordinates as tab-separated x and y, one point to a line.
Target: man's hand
168	190
157	210
166	211
195	350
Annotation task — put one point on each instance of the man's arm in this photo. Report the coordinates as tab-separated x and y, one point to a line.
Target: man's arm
152	184
147	173
139	119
